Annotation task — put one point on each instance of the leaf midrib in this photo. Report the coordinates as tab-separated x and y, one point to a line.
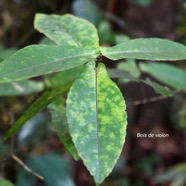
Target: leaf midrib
154	52
96	86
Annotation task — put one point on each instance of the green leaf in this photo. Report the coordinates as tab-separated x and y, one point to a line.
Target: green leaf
105	32
130	66
115	73
97	120
60	125
52	167
168	74
67	30
4	182
25	179
46	41
46	98
65	77
87	9
176	175
20	88
147	49
121	38
163	90
36	60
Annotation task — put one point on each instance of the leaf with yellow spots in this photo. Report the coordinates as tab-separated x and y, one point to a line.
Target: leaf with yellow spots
97	120
36	60
67	29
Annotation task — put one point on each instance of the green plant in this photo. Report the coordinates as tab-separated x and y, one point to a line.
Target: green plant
95	106
175	175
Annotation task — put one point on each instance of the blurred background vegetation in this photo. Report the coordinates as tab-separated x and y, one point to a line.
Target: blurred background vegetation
144	161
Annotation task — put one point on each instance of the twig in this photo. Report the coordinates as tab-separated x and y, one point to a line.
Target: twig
149	100
144	101
26	167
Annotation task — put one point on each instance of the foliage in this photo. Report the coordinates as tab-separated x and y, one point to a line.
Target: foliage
176	175
95	106
60	125
51	166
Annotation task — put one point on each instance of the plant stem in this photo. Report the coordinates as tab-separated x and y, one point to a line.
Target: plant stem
26	168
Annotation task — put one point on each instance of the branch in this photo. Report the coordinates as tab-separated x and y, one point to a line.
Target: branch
26	167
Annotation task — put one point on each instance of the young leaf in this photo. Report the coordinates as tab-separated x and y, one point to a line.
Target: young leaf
60	125
37	60
164	73
67	30
97	120
20	88
147	49
47	97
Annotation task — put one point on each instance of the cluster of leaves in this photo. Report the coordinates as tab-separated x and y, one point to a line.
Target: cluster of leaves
96	116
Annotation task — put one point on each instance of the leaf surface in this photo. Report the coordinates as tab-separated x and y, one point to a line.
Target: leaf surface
97	120
36	60
65	77
168	74
147	49
67	30
130	66
60	125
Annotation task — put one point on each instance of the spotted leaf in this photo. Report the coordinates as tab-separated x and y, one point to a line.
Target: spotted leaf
36	60
97	120
67	29
147	49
